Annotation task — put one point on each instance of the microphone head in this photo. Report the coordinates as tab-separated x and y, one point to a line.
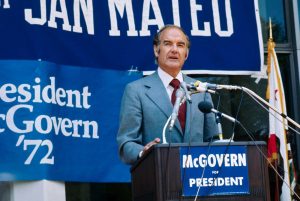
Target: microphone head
205	107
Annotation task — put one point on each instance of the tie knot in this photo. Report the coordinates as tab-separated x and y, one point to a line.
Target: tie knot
175	83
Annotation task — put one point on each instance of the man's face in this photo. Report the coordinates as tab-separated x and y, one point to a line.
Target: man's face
172	50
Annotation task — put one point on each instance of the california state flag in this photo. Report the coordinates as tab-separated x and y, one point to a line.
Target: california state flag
277	124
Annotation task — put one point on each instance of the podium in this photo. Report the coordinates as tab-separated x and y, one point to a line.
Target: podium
157	176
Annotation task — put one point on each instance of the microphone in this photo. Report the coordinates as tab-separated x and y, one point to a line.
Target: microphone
187	93
180	94
205	86
206	107
195	88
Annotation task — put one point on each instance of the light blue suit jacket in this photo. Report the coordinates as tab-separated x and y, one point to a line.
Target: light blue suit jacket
144	111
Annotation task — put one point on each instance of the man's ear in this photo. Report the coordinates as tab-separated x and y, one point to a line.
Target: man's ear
187	54
156	51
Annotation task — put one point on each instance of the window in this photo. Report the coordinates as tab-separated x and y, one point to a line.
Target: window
274	9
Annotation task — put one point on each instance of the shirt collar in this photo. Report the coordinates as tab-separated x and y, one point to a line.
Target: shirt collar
166	78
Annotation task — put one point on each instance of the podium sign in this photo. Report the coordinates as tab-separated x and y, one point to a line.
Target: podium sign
214	170
237	171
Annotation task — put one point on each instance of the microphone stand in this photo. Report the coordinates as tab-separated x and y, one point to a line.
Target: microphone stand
218	120
249	92
253	94
164	140
208	86
219	116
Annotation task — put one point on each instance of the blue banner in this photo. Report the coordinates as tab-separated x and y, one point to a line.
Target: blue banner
214	170
64	65
113	34
60	122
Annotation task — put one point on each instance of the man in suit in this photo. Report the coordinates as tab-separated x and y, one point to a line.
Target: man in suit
146	103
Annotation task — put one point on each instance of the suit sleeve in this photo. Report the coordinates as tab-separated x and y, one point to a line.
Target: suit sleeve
129	137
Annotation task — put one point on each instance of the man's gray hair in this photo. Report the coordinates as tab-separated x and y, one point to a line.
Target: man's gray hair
156	39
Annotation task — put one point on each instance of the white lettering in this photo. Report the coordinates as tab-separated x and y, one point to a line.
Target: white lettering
38	20
217	181
66	124
37	91
195	162
121	9
39	122
220	159
25	93
88	13
56	124
46	93
192	182
195	30
8	89
63	14
45	124
2	116
76	124
60	93
226	160
204	181
85	95
87	125
242	159
11	116
76	94
233	160
187	161
6	4
176	15
121	6
217	23
213	160
146	21
202	160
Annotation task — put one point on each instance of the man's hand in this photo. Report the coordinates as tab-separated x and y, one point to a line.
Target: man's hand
149	145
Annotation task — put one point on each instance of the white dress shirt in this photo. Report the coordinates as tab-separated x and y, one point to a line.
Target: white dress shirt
166	79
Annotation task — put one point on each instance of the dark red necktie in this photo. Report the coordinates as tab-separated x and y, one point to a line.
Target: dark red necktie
182	110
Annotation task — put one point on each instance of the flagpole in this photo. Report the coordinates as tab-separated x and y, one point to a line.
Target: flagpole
271	45
270	30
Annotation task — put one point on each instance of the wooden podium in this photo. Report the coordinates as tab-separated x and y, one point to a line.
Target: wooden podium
157	175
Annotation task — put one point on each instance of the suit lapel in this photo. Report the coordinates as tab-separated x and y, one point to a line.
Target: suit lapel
191	109
158	94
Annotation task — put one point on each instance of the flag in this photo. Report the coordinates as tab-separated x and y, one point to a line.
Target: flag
277	124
